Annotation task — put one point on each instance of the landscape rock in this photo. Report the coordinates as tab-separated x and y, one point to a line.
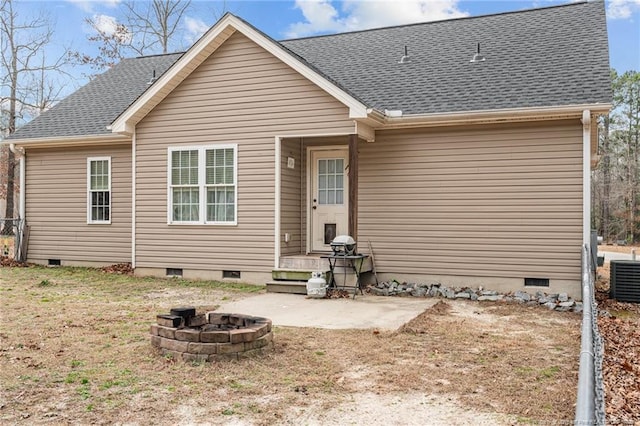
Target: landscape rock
419	292
560	302
463	295
493	298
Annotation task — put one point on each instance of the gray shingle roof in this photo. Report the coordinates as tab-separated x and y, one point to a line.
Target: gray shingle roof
541	57
89	110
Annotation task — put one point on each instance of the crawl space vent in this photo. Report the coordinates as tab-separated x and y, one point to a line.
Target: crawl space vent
231	274
625	280
536	282
174	272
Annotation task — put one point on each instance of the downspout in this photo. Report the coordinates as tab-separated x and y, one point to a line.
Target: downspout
586	177
133	200
22	156
277	207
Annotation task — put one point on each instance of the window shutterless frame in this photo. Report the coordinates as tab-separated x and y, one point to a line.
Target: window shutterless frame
99	200
190	200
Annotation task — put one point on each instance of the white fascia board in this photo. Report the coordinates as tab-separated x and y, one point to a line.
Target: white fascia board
494	116
193	58
63	141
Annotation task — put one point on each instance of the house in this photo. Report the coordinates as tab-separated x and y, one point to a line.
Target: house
461	149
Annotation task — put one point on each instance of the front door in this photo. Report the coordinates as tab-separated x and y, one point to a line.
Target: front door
329	196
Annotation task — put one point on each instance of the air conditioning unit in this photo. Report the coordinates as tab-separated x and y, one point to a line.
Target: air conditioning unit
625	280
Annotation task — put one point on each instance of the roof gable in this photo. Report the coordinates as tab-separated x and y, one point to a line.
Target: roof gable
203	48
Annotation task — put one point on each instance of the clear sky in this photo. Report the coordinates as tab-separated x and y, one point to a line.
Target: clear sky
297	18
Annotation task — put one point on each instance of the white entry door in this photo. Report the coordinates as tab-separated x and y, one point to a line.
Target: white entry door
329	196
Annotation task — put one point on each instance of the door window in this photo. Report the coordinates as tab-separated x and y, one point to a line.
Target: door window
331	181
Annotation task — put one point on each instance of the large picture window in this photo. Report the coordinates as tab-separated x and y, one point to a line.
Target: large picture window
99	190
202	185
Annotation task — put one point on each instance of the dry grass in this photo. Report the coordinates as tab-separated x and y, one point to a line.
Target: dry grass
74	348
618	249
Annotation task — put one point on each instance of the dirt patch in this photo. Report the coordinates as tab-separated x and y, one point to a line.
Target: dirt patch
74	345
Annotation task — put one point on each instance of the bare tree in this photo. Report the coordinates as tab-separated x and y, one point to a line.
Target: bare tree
617	179
155	25
25	86
112	46
147	28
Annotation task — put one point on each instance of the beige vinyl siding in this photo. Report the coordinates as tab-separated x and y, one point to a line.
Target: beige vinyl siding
291	198
499	201
240	95
56	206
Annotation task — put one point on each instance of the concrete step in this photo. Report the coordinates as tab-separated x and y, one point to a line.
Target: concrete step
292	287
282	274
308	263
315	263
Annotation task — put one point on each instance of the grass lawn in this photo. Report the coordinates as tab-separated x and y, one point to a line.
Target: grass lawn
74	348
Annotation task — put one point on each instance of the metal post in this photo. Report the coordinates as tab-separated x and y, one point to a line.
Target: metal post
585	403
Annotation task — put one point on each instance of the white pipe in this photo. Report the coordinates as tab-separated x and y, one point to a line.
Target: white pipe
21	155
276	245
133	200
586	176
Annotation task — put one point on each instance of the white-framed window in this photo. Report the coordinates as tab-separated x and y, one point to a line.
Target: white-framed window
202	185
99	190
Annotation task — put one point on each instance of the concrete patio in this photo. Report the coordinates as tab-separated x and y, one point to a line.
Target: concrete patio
365	311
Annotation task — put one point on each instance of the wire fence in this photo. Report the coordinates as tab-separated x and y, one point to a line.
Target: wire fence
12	239
590	404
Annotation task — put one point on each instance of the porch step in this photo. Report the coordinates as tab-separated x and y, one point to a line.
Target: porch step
283	274
304	263
292	287
315	263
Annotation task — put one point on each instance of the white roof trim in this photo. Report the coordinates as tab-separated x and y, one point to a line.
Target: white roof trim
491	116
57	141
223	29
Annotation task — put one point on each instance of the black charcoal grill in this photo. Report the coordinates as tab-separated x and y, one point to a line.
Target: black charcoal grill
343	245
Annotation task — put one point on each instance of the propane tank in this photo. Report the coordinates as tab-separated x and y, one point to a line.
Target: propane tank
317	285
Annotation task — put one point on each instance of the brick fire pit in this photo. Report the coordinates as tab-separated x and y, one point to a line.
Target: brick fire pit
212	336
